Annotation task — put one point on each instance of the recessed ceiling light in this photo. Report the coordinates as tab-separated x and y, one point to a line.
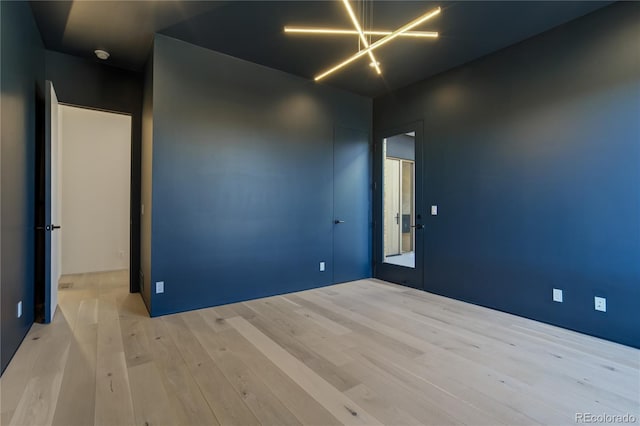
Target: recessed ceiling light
101	54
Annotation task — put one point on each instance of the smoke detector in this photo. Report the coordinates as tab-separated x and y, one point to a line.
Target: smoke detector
101	54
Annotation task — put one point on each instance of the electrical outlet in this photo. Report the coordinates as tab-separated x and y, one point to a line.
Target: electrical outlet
159	287
557	295
600	304
321	266
19	310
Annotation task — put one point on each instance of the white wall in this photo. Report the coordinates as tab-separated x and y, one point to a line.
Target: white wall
96	164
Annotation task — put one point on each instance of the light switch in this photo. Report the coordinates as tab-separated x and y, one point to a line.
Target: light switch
321	266
160	287
434	210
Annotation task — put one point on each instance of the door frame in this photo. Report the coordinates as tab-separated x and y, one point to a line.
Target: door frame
411	277
47	261
134	205
48	243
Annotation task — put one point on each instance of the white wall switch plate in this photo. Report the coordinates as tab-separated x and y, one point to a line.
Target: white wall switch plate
557	295
159	287
434	210
321	266
19	310
600	304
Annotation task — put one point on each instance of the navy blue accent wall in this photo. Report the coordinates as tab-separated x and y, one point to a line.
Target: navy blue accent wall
533	156
86	83
242	177
22	78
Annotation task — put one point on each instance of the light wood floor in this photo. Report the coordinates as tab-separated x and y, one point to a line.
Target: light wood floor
365	352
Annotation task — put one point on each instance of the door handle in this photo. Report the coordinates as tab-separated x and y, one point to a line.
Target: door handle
338	221
55	227
418	226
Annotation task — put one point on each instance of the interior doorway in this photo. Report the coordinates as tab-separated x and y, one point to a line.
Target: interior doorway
95	190
398	205
399	199
83	187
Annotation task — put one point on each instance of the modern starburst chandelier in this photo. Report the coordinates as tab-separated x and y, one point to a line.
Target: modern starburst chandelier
366	47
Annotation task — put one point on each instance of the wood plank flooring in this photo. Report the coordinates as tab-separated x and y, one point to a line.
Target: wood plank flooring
361	353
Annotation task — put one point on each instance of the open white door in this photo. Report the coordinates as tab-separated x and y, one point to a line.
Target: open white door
52	241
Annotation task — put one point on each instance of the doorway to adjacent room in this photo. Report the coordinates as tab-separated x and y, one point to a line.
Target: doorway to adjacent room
83	187
400	233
